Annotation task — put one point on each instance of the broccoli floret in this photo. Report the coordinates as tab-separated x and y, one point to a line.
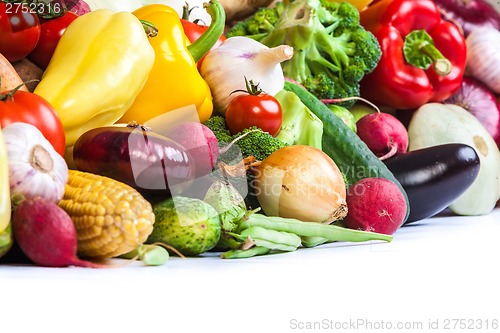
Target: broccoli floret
332	51
257	143
258	25
218	126
327	88
233	148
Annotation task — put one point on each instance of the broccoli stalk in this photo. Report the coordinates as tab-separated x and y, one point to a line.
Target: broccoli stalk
332	51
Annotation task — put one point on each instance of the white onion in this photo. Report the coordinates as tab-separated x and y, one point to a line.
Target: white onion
301	182
483	57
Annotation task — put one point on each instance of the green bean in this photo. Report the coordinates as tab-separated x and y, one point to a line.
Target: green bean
272	239
240	254
309	241
311	229
149	254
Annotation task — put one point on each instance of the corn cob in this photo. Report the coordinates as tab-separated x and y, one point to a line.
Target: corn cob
111	218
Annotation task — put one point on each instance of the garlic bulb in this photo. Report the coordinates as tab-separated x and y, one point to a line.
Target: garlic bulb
483	57
35	168
226	67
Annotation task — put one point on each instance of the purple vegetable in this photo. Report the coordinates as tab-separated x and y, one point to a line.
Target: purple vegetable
471	14
476	98
149	162
200	142
79	7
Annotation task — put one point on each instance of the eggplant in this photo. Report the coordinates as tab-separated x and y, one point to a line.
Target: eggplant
151	163
434	177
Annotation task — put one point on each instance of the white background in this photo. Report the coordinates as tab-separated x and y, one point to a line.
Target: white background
442	268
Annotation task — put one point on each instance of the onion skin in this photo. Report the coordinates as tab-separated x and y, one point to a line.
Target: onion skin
79	7
471	15
147	161
301	182
483	57
476	98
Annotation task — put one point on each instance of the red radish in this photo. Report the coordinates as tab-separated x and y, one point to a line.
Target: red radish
383	133
46	234
200	142
375	204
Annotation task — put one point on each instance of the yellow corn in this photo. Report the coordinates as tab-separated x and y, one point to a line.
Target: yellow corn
111	218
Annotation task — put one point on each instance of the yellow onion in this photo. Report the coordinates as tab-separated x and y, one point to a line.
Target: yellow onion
301	182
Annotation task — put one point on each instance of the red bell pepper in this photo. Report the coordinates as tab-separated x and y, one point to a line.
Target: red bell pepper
423	56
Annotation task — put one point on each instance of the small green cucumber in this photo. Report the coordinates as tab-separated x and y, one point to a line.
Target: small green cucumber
354	159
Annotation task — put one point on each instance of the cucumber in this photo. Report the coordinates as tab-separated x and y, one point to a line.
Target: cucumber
345	148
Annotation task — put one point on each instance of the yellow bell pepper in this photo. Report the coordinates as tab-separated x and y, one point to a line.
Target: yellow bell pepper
99	66
174	82
5	210
359	4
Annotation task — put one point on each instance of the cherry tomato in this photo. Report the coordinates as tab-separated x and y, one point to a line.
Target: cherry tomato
193	31
247	110
30	108
19	30
51	31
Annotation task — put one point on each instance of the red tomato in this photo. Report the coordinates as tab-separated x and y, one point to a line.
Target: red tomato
27	107
51	31
263	111
19	30
193	31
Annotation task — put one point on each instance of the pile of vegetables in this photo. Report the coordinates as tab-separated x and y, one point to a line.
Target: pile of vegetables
155	128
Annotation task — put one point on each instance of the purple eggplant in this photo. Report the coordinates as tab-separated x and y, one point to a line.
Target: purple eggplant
149	162
434	177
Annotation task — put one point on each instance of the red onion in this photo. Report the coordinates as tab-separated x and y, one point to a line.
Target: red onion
79	7
476	98
471	14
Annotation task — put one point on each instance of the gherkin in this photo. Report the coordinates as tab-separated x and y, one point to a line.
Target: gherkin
190	225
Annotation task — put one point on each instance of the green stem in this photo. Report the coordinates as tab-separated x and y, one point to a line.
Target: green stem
185	11
419	50
150	29
10	94
208	39
442	66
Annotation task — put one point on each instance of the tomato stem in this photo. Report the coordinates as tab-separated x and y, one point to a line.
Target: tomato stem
251	88
10	93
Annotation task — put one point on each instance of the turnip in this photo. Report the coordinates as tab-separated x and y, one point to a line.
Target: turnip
200	142
376	205
383	133
46	234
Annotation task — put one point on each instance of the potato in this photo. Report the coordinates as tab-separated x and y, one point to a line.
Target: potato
28	71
